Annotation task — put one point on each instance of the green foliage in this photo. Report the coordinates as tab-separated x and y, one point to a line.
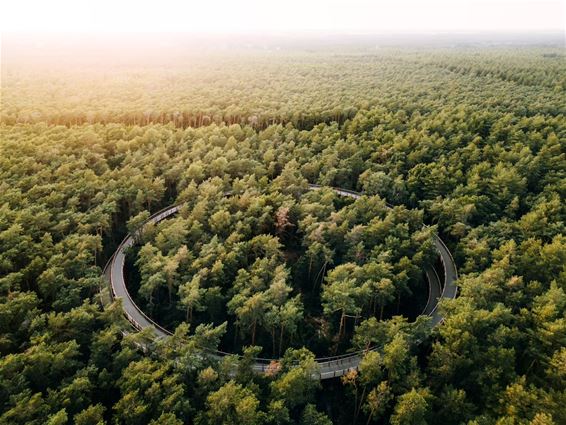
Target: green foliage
470	141
411	408
233	404
312	417
298	381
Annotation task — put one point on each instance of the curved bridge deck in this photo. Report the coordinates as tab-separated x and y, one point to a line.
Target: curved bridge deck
329	367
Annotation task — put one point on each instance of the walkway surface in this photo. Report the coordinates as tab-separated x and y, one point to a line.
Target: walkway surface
329	367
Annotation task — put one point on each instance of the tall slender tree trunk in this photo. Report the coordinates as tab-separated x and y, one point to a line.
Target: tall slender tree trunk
323	270
359	406
355	404
253	331
273	340
281	340
320	274
341	326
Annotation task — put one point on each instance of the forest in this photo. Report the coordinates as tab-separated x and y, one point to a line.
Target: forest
465	142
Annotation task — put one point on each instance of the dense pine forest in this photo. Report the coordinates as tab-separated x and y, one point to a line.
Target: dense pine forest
467	142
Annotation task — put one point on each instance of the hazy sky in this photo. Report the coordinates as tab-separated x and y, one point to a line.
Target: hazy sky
217	16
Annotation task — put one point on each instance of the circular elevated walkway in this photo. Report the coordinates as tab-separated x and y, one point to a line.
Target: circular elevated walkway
328	367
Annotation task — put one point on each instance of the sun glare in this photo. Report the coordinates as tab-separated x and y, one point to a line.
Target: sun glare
282	16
